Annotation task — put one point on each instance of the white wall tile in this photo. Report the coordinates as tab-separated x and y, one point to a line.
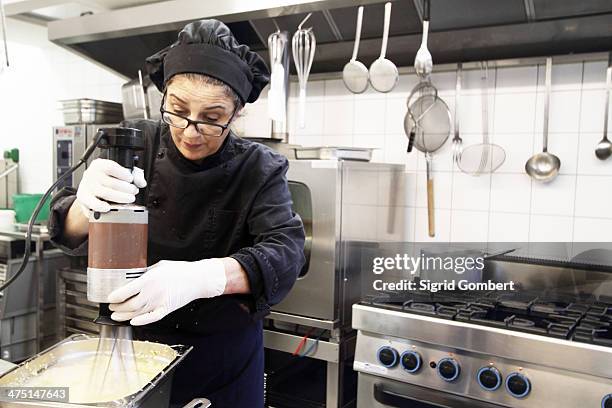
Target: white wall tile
470	107
469	226
592	230
545	228
307	140
594	75
472	81
368	114
335	89
375	141
395	111
405	85
515	113
593	196
341	140
505	227
445	82
516	79
592	110
554	198
471	193
564	112
518	148
338	117
566	76
371	93
510	193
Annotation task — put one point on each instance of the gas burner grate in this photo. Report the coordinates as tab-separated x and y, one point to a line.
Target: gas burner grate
573	317
552	325
594	331
600	310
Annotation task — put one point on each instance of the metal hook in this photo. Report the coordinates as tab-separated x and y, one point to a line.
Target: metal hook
484	69
304	20
276	25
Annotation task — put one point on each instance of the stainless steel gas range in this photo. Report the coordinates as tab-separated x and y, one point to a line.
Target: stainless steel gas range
528	348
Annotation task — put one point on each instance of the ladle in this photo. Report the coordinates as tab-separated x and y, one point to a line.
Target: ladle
383	73
355	74
544	166
604	147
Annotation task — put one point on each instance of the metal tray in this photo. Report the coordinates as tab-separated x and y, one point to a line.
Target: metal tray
334	153
91	111
77	104
155	394
89	116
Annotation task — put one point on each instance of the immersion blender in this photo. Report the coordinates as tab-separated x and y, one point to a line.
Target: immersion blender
117	250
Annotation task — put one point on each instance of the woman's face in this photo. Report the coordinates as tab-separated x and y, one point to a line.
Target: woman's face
198	101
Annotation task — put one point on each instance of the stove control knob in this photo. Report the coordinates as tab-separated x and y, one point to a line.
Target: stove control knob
518	385
388	356
489	378
448	369
607	401
411	361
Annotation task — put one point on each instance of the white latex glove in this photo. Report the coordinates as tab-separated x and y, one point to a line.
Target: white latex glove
105	180
165	287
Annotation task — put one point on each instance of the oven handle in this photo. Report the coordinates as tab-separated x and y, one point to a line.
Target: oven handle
428	399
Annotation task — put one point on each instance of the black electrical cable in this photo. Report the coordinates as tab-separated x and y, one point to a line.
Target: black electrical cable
28	238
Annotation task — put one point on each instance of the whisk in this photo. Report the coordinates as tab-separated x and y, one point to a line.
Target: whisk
303	46
114	359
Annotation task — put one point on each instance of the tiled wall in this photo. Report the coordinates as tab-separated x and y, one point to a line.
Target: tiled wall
505	206
41	74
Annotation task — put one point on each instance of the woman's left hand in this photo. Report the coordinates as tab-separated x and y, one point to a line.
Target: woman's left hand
165	287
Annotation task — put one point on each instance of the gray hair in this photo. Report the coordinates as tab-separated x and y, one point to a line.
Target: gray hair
202	79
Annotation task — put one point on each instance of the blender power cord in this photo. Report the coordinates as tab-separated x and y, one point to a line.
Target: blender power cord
28	238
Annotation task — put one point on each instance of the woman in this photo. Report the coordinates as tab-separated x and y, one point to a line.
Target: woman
223	240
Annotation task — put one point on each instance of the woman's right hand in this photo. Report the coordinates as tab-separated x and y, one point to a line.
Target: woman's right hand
106	181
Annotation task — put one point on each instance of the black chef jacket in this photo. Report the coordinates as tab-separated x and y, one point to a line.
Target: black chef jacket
235	203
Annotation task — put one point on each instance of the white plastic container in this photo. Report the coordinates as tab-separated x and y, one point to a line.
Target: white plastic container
7	220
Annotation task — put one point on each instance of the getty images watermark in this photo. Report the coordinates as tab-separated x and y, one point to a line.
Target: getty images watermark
467	272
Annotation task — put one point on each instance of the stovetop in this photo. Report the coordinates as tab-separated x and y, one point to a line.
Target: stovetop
583	318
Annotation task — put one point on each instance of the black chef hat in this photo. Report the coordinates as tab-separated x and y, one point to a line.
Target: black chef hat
208	47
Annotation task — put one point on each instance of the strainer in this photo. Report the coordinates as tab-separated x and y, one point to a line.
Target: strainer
485	157
430	120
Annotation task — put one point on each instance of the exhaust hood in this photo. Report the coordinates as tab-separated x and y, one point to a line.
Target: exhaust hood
461	30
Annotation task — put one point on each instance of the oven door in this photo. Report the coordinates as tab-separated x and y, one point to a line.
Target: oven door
377	392
315	191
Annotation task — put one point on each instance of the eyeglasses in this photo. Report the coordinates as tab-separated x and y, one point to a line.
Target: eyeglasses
204	128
